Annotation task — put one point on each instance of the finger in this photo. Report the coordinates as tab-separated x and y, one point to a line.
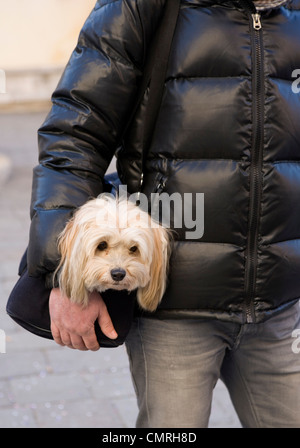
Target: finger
90	340
105	322
78	343
56	334
66	338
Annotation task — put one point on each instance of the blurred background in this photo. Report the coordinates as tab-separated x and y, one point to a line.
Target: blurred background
36	40
41	384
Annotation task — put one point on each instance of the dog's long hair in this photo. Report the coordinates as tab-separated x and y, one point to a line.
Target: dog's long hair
108	234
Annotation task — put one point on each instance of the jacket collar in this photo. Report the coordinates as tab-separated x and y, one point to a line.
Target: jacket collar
262	5
259	4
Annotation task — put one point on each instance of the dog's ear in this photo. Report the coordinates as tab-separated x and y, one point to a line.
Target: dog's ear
150	296
70	269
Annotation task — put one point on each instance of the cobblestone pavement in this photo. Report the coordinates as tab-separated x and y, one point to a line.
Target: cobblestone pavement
43	385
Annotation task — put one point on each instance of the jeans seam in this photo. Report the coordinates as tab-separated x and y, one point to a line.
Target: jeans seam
146	374
248	393
132	370
237	338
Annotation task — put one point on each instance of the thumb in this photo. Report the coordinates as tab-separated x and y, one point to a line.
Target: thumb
105	321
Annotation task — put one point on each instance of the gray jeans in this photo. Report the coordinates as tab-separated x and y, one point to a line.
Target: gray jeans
175	365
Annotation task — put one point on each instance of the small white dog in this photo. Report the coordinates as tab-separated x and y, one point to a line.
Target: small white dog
112	244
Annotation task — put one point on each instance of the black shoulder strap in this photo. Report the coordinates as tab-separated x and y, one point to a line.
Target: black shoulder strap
155	74
162	46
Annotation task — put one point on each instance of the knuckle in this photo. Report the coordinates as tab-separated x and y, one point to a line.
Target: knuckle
58	341
55	332
80	347
93	347
84	331
66	341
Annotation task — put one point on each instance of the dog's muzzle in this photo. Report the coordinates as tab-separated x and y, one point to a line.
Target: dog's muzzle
117	274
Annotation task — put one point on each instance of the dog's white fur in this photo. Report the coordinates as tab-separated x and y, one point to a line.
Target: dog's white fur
106	234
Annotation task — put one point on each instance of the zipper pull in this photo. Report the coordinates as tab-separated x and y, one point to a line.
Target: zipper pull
161	184
160	187
256	21
138	196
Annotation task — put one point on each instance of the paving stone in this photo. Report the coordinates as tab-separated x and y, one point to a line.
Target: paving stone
25	363
47	387
6	323
17	418
65	360
21	340
78	414
128	410
5	394
116	383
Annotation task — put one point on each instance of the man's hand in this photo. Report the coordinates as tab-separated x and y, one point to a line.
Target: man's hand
74	326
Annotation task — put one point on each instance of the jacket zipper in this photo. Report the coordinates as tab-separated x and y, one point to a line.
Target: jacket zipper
256	159
160	186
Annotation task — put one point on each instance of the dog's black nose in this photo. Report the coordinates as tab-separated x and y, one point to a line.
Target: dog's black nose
117	274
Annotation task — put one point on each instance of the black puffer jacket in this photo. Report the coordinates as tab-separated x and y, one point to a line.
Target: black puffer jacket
228	127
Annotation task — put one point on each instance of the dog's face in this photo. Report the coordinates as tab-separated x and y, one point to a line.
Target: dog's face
111	244
118	258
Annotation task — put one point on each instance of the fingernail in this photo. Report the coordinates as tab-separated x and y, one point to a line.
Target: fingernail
113	334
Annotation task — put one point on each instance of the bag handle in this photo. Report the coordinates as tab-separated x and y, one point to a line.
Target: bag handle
162	46
154	76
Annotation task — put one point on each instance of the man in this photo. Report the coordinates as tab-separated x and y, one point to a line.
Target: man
228	127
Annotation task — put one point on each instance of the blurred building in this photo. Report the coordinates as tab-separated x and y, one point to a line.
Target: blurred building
36	40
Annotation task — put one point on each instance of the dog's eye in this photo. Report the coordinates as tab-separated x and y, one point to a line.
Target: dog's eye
133	249
103	245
